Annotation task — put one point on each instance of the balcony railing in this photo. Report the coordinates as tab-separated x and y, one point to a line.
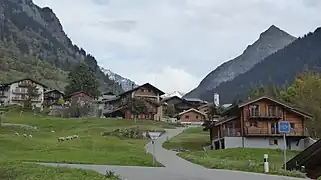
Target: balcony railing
24	84
269	114
17	98
231	132
256	131
252	131
19	91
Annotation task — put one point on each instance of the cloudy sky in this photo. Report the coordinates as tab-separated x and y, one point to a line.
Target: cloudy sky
173	44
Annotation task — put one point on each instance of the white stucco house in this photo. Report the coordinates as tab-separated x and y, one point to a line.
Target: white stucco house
16	92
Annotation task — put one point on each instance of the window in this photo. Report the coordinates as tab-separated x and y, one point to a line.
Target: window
271	110
149	90
187	117
254	110
196	117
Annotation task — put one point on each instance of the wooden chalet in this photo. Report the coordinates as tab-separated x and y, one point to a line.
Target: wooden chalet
192	117
255	124
121	106
179	104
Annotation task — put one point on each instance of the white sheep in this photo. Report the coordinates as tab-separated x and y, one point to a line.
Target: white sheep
16	133
52	131
30	135
75	136
69	138
61	138
25	135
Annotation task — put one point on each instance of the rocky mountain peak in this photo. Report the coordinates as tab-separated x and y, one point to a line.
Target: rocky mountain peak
269	42
274	31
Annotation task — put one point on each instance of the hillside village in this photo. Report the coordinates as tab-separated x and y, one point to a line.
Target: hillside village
63	116
250	124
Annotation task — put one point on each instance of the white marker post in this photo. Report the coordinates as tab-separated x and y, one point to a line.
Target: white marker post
266	163
154	136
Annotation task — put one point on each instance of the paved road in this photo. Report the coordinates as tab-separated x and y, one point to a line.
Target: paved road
175	168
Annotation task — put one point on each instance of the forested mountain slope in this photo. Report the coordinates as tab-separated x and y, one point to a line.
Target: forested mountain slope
279	68
33	43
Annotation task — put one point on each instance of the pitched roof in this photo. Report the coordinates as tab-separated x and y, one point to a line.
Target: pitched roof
146	84
9	83
205	105
293	109
78	92
192	109
171	97
109	93
195	100
221	121
53	91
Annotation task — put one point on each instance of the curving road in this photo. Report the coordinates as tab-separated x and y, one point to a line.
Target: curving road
175	168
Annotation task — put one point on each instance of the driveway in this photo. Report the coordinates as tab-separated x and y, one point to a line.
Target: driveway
175	168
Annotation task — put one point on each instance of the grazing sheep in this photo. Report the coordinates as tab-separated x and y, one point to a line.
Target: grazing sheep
52	131
30	135
69	138
25	135
16	133
75	136
61	139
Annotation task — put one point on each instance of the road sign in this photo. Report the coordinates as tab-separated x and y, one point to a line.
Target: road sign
154	135
284	127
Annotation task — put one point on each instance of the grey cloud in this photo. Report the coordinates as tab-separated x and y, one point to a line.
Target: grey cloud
119	25
144	36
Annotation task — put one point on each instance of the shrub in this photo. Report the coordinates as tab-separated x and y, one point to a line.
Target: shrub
112	175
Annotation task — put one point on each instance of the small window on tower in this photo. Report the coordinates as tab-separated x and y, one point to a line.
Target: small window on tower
186	117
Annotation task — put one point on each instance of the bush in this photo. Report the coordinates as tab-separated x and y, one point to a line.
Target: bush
111	175
132	133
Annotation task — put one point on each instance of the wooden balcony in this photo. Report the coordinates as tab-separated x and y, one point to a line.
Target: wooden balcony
23	99
265	115
252	131
19	91
25	83
231	132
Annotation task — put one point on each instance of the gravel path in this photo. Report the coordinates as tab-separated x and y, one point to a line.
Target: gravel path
175	168
19	125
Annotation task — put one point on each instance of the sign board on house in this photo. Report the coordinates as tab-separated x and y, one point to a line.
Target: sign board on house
284	127
154	135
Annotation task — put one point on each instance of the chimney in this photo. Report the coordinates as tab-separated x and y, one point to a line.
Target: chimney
216	99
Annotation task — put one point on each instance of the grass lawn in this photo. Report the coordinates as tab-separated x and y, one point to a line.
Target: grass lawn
193	138
91	147
238	159
19	171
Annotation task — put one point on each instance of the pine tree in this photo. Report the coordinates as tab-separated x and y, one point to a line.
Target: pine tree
83	78
32	93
